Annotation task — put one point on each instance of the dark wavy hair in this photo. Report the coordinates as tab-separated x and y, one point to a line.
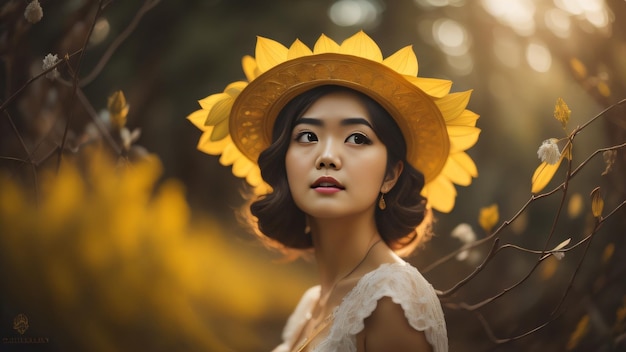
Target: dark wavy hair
404	223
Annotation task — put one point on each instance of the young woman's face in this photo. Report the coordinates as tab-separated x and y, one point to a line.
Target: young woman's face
335	162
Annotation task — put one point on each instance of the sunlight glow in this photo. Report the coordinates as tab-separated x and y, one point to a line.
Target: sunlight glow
507	48
538	57
451	36
349	13
462	65
594	11
517	14
559	22
440	3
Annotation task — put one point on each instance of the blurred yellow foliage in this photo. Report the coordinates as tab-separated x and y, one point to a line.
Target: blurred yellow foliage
608	252
112	262
579	333
580	71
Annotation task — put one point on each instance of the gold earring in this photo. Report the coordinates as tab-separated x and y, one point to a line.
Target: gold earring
381	202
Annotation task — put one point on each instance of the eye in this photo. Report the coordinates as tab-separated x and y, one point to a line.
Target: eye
306	137
358	138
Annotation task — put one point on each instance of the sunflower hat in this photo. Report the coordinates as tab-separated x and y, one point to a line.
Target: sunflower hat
438	129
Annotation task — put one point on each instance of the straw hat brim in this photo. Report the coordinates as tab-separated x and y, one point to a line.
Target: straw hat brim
420	120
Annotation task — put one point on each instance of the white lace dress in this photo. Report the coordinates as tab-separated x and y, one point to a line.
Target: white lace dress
399	281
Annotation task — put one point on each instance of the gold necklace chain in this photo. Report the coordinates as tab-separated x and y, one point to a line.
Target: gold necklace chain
324	323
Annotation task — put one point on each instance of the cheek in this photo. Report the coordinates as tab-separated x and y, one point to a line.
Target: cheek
293	167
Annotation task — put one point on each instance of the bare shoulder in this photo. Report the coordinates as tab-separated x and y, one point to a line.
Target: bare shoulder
387	329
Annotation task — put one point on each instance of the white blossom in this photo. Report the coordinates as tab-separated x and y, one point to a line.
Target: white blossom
49	61
549	151
33	12
465	234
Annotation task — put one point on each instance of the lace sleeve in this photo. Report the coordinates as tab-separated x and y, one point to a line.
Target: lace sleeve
405	286
297	318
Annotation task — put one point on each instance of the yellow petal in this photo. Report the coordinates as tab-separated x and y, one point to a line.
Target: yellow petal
488	217
466	162
254	176
441	194
460	169
206	145
235	88
403	61
220	131
198	118
298	49
230	155
269	53
220	111
456	173
363	46
467	118
250	68
434	87
241	167
325	45
462	137
208	102
543	174
452	105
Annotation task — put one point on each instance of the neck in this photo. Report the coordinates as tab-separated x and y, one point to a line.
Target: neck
340	246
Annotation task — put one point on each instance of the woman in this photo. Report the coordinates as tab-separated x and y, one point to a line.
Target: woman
354	151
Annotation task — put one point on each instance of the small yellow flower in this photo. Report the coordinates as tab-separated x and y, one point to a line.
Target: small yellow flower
562	112
488	217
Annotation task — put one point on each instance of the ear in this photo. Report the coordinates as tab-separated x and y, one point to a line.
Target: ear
392	177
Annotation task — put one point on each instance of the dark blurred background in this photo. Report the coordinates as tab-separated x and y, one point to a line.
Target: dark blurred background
518	56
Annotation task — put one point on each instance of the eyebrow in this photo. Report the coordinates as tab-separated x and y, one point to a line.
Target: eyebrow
345	122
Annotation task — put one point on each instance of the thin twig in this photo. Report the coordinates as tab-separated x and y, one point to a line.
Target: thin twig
147	6
75	83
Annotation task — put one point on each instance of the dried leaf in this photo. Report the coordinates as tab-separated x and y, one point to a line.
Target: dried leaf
488	217
562	112
543	174
609	157
556	251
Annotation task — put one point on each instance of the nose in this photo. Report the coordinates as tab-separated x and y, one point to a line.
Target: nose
328	158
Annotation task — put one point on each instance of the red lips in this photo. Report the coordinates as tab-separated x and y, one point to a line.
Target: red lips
327	182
